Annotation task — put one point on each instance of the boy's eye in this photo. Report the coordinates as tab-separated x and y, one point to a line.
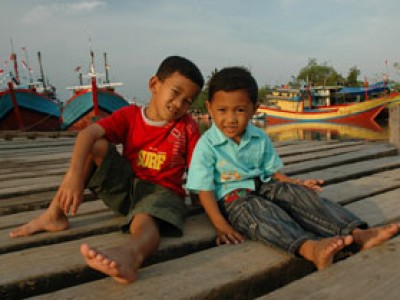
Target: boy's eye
240	110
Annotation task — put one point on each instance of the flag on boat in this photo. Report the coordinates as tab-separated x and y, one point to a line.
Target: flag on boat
25	65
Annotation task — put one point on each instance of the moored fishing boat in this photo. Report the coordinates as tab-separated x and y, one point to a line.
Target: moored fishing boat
29	107
92	101
300	105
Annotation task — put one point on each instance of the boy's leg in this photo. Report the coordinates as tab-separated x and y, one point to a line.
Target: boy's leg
122	262
155	209
54	218
319	215
325	217
260	219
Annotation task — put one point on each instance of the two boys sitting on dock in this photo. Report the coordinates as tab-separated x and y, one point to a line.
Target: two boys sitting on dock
234	168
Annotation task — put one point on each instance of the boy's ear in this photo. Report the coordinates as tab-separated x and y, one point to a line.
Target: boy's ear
208	106
153	82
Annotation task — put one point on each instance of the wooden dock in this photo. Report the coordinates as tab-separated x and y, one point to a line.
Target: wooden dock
362	176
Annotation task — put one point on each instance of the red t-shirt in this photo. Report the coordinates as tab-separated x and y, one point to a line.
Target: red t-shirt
159	154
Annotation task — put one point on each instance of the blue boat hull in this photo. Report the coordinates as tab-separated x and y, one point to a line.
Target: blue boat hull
79	111
33	111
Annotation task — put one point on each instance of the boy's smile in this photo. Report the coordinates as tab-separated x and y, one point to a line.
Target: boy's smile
231	112
171	98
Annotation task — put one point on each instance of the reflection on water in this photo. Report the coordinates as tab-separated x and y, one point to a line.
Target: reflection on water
318	131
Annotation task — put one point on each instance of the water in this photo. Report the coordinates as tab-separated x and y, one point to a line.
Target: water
368	131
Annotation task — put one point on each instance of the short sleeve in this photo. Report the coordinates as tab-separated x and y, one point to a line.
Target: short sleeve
202	168
117	124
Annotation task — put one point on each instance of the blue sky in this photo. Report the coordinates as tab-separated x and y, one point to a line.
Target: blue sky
273	38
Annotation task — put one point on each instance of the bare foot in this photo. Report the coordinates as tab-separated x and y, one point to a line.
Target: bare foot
121	263
322	252
45	222
368	238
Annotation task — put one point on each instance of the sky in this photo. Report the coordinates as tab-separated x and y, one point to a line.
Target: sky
273	38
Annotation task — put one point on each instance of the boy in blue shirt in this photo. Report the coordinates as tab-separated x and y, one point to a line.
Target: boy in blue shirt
235	170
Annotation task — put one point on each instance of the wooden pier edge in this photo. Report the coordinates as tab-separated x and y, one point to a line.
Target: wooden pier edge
363	176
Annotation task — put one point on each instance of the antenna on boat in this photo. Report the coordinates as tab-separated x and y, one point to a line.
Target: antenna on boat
13	57
41	69
106	67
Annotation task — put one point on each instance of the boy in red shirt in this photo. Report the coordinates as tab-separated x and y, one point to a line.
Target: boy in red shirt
145	183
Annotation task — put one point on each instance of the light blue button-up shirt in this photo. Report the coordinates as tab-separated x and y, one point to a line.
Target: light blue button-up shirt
221	165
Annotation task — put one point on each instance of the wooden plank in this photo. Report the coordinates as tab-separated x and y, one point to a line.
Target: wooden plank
32	201
23	135
64	259
13	220
349	191
245	270
27	184
30	144
380	209
370	275
306	147
80	226
341	173
33	172
348	171
176	266
320	154
377	151
36	151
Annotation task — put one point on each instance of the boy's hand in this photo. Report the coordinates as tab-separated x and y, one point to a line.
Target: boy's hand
227	235
70	193
313	184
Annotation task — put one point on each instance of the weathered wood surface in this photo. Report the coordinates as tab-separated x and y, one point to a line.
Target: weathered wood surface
365	177
370	275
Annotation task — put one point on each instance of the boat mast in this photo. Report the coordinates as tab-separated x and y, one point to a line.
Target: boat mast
13	57
106	67
41	69
94	85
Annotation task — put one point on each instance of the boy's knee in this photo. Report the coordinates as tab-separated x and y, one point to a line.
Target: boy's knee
99	151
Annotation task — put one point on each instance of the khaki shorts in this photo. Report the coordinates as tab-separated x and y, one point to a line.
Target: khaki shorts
114	182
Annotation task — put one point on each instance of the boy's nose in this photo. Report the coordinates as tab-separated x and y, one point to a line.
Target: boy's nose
231	117
177	104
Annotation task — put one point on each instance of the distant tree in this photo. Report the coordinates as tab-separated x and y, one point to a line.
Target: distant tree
317	74
351	79
263	92
200	103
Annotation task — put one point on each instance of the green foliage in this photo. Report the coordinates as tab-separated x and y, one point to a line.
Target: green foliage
319	74
199	103
263	92
351	79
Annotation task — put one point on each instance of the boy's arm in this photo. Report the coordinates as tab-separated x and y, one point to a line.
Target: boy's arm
70	193
226	234
314	184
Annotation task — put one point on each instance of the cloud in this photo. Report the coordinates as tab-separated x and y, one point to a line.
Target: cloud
43	12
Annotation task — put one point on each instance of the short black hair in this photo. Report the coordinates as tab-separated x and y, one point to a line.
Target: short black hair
231	79
182	65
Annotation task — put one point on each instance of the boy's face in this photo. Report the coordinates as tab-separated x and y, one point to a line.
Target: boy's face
171	98
231	112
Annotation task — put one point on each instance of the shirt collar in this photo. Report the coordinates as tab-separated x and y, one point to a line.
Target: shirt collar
218	138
